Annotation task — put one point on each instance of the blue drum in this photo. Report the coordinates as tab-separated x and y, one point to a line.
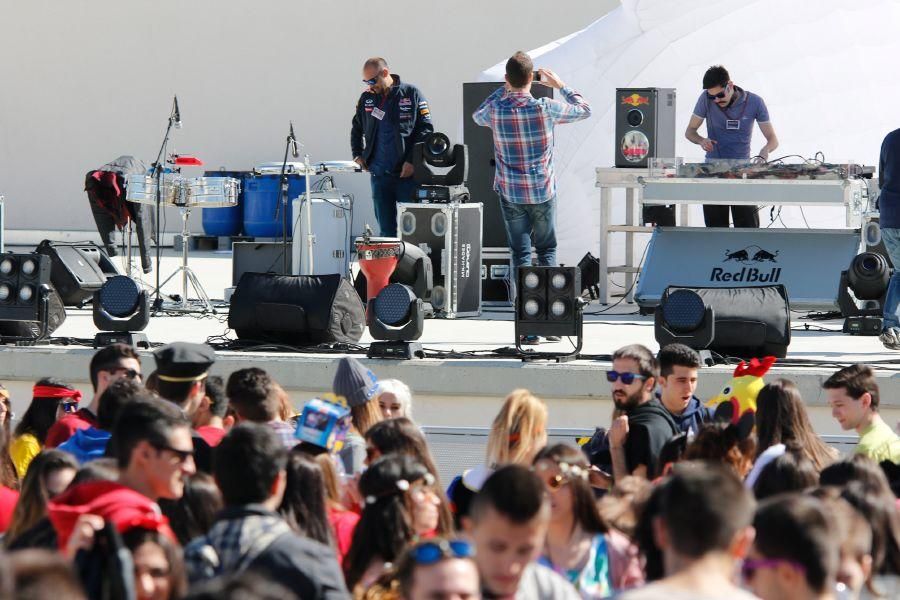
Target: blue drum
262	193
225	221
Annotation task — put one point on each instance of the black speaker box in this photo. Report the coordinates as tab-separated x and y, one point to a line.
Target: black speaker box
297	310
749	321
31	330
480	142
78	270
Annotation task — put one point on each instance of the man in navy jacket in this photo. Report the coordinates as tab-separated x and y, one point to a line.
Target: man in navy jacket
391	117
889	208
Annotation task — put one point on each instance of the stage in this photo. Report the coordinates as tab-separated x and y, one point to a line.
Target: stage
465	382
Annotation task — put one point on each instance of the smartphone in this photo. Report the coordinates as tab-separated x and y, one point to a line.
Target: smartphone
537	75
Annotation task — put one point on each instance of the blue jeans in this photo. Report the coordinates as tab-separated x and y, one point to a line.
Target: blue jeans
387	191
527	223
891	239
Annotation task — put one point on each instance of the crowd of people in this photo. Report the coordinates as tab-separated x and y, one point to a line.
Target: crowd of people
179	484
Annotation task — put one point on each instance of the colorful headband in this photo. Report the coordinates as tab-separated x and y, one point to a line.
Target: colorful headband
52	391
570	471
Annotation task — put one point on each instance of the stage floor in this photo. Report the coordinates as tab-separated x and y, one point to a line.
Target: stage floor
455	389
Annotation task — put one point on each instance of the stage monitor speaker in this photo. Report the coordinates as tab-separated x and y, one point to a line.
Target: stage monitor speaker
739	321
480	142
645	125
78	270
296	310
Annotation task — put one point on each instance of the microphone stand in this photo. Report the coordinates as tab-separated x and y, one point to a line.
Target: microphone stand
158	168
283	204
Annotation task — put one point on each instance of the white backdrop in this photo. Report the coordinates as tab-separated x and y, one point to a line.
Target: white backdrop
83	81
826	69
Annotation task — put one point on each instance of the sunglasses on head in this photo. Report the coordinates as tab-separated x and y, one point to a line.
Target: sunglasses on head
627	378
429	553
718	96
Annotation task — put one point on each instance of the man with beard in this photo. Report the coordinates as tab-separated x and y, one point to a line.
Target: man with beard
642	425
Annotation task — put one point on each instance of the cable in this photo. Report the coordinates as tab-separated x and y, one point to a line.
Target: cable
627	292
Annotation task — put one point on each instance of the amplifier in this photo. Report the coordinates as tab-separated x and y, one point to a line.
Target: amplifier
442	193
257	257
451	235
331	218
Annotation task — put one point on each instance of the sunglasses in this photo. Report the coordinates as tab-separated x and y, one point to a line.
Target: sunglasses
627	378
718	96
127	373
69	406
182	455
372	81
554	482
429	553
750	567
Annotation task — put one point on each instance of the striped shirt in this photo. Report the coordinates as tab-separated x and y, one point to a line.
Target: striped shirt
523	140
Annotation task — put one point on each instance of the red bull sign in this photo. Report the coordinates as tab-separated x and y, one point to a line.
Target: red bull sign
635	100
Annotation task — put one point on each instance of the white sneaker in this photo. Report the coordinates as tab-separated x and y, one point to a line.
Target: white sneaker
890	337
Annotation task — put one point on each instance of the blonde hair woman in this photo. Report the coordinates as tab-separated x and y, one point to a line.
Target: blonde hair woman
518	433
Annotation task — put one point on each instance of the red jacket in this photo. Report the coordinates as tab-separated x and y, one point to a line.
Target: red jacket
122	506
8	499
66	427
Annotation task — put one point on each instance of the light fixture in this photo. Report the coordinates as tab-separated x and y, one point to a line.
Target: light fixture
549	304
683	317
25	294
867	278
121	312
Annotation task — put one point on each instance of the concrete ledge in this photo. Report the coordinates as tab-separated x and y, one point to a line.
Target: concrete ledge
447	392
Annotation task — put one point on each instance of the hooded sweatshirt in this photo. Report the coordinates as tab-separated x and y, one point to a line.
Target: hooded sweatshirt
122	506
650	426
693	417
87	444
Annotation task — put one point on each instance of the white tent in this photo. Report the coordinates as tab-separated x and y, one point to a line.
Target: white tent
826	69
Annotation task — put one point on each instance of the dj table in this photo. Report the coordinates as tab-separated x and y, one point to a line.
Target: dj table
808	261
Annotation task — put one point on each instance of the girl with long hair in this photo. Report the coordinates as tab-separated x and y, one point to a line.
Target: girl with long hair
402	436
401	506
51	400
304	505
159	572
781	418
518	432
597	560
50	474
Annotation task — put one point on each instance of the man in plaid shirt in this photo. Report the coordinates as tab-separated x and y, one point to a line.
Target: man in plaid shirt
523	147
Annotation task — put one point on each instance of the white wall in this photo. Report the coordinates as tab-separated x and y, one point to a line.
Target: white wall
83	81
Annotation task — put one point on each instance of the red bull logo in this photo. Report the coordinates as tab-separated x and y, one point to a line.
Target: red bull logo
635	100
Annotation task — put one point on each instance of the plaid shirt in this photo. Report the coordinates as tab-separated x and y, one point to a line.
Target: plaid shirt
285	432
523	140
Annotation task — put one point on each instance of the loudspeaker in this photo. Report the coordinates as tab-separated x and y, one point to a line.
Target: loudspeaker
645	125
297	310
480	142
32	330
746	322
78	270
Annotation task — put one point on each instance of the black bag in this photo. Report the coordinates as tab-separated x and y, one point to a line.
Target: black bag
297	310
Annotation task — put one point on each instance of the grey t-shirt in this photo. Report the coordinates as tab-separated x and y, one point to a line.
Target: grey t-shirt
540	583
732	127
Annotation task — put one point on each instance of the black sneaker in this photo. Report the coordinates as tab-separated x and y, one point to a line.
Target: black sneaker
553	338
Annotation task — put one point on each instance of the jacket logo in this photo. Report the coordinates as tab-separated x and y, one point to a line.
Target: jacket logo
370	101
405	102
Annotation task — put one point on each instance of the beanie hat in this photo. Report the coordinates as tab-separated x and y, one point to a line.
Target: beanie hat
354	382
